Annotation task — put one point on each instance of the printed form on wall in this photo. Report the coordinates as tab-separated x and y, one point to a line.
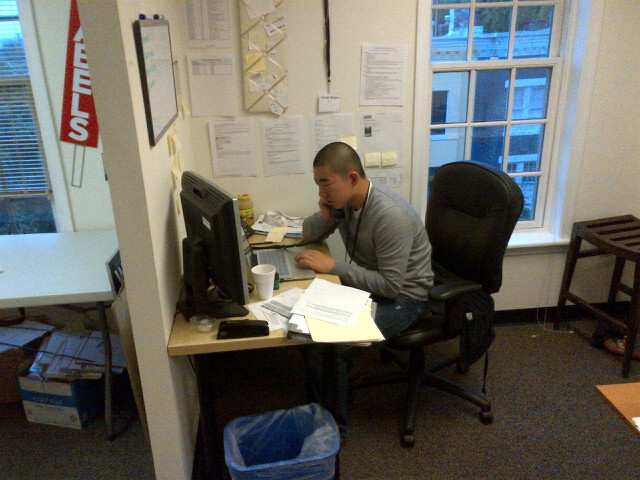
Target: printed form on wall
283	146
234	147
381	141
209	23
213	85
325	129
382	75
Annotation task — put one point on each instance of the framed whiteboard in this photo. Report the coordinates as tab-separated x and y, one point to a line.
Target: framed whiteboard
155	61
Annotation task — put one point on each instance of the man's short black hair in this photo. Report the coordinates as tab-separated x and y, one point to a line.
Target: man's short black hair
340	158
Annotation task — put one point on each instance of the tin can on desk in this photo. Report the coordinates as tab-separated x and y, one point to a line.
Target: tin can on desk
245	205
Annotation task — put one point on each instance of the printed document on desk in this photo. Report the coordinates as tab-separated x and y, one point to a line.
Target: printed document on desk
332	302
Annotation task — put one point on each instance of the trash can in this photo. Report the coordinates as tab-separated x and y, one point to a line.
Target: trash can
298	443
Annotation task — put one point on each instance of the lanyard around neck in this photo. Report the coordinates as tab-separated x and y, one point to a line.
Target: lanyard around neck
355	239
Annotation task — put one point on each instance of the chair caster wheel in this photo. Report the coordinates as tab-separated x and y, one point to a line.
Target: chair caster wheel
486	417
408	441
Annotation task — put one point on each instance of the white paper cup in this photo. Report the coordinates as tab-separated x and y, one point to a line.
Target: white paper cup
263	278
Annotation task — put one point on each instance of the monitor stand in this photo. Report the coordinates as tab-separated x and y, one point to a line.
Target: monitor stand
216	309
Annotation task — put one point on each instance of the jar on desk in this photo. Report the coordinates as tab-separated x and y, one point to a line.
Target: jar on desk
245	205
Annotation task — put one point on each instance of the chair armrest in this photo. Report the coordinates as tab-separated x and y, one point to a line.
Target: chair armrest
450	290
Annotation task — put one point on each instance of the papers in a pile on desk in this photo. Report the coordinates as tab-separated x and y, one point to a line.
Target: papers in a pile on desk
271	219
337	314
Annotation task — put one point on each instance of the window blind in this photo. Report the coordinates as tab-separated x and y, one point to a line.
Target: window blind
23	170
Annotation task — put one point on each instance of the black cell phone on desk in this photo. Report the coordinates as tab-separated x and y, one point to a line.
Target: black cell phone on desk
242	329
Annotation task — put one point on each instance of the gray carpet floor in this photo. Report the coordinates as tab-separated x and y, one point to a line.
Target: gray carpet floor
549	420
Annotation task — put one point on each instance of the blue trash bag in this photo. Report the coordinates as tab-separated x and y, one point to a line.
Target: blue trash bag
299	443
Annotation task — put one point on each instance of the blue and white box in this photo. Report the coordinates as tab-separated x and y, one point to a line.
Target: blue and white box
64	403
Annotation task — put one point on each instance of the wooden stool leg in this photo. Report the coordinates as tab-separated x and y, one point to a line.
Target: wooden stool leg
569	268
615	279
634	318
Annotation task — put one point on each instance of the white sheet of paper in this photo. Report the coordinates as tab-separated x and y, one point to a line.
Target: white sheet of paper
391	178
258	8
331	302
328	102
213	84
383	132
382	75
209	23
325	129
234	147
284	146
21	334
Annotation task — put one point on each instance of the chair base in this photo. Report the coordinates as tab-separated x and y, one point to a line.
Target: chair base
415	376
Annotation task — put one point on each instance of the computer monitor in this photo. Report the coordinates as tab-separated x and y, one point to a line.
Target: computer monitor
215	273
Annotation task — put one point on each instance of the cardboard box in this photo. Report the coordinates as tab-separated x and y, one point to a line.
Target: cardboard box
64	403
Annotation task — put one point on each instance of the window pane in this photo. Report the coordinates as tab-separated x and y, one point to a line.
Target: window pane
525	148
491	33
456	87
487	145
491	95
26	215
8	8
533	32
449	34
531	93
529	187
446	148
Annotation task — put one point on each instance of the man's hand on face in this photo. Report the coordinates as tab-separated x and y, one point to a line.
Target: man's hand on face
325	210
316	260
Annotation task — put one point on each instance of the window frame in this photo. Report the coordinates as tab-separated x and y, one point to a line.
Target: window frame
60	203
581	29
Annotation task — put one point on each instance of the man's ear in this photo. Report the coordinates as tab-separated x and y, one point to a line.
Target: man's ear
353	178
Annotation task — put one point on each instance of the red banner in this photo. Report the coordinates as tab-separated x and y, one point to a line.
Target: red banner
79	123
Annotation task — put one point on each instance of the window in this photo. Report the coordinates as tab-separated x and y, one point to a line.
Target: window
495	70
25	189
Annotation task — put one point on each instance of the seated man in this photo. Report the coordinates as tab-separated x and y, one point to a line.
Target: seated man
389	252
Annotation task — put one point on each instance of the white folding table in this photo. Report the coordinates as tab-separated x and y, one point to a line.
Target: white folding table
61	269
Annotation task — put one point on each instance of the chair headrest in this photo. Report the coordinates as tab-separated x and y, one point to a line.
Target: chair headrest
471	214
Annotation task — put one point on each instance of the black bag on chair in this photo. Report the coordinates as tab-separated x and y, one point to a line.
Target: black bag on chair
477	314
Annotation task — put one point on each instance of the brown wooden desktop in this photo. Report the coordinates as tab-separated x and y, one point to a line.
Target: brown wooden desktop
186	340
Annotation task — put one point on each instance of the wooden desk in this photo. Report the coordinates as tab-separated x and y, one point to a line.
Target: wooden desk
625	399
186	340
60	269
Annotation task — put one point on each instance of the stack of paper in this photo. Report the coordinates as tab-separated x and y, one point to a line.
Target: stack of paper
17	336
77	355
266	222
277	310
337	314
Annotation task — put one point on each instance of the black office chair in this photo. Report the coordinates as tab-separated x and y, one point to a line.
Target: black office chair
471	214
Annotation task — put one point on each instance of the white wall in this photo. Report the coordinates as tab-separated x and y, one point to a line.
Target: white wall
605	182
146	221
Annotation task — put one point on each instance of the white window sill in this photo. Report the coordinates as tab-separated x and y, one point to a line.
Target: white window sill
534	241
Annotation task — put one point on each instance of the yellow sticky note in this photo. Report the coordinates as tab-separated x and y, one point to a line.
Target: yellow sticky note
389	158
257	40
350	140
177	145
170	144
276	234
372	159
254	62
